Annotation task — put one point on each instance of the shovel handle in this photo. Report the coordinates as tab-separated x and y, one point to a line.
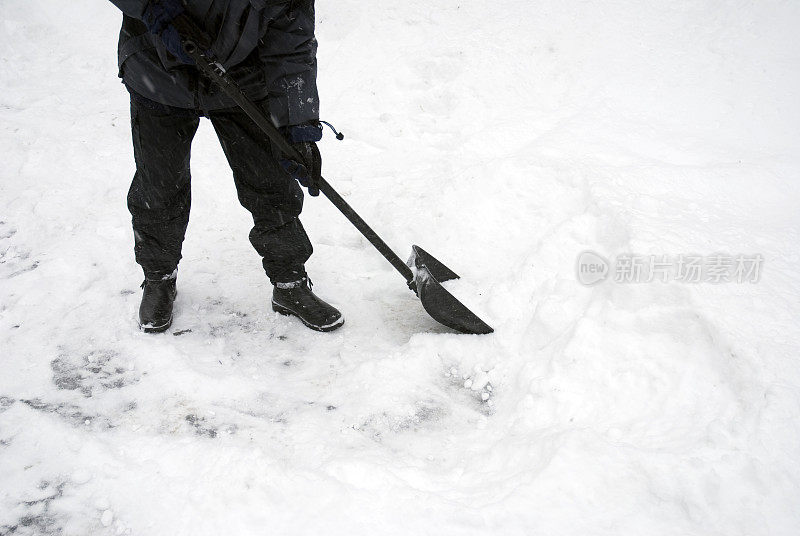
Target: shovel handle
217	73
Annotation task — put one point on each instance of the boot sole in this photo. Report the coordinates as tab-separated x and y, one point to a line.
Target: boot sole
156	329
285	311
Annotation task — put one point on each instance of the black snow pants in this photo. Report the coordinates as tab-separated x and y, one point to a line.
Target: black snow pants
160	195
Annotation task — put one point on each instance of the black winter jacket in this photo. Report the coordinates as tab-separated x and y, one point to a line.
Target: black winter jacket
267	46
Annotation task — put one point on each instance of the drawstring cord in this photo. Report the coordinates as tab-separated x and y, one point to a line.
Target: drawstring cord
339	135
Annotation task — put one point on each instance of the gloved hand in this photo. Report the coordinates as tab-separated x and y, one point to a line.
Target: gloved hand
159	17
308	172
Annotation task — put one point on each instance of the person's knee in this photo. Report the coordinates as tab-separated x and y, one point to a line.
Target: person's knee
287	241
153	205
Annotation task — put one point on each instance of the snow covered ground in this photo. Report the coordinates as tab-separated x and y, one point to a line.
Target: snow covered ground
504	137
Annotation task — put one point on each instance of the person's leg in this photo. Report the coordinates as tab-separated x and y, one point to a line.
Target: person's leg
274	199
159	198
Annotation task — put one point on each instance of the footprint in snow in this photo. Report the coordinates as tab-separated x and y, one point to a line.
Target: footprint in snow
95	372
34	512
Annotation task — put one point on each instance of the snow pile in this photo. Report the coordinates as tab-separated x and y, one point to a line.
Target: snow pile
503	137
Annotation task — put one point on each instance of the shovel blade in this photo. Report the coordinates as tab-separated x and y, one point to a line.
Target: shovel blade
429	274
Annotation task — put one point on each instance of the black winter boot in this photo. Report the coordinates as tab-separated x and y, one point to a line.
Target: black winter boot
155	312
297	299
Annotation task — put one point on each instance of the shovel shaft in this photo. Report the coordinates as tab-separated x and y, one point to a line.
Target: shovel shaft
218	75
345	208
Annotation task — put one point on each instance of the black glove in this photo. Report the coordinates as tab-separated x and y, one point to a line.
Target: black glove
308	172
159	16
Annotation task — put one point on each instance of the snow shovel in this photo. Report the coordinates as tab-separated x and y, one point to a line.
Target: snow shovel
423	273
